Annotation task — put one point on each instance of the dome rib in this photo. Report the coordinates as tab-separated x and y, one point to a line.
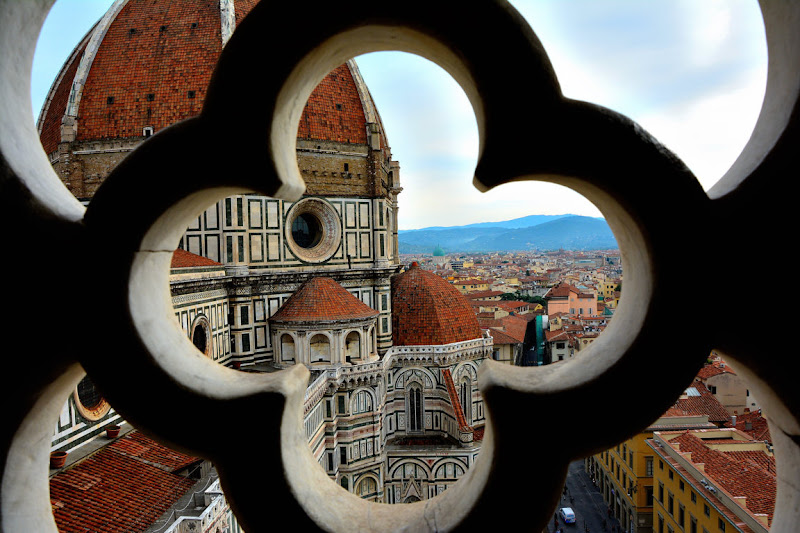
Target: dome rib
131	72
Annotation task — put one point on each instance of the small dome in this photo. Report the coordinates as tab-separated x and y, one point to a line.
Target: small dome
427	310
438	252
322	299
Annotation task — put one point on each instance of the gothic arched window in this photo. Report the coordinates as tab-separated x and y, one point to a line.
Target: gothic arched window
415	409
465	397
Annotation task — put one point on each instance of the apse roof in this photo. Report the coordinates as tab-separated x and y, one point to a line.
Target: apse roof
427	310
322	299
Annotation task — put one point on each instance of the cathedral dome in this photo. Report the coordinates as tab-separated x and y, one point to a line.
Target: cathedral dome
427	310
147	64
321	299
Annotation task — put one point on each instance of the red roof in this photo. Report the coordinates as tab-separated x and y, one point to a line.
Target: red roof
738	475
322	299
501	337
427	310
754	424
183	259
714	368
125	486
704	404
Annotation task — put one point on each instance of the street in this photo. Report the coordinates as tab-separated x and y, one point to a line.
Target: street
587	503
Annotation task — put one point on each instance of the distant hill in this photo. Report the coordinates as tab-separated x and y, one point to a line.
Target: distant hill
522	222
542	232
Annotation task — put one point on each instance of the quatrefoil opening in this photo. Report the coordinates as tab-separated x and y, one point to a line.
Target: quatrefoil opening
596	152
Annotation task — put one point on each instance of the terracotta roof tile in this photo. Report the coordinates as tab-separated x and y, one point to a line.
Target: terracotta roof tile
502	338
184	259
427	310
153	54
322	299
704	404
125	486
738	477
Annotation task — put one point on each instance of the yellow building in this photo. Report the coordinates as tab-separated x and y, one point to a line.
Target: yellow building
471	285
624	474
606	288
710	481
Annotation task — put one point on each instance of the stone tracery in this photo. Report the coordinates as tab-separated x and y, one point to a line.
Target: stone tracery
34	197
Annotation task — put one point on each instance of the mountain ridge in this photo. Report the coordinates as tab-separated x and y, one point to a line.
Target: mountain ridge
548	232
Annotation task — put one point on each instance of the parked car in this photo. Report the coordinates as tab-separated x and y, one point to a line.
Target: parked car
567	515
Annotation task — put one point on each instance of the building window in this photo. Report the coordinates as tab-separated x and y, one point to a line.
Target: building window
693	496
692	524
669	474
363	402
661	492
721	524
706	510
465	396
681	515
244	315
343	455
319	349
288	352
245	342
415	409
670	503
680	485
648	492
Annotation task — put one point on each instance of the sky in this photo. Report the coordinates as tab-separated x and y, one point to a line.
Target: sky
691	73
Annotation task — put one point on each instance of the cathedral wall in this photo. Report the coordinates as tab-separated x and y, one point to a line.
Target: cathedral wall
84	166
333	169
206	310
419	474
84	416
257	231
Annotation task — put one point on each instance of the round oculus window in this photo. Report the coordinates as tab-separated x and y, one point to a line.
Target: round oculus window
313	230
90	403
306	230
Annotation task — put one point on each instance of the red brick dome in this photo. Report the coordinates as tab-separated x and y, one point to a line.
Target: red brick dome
321	300
147	64
427	310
